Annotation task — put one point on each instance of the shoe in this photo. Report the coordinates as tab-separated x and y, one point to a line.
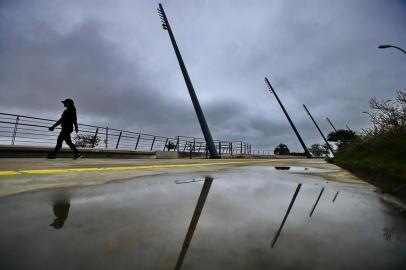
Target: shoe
78	155
51	156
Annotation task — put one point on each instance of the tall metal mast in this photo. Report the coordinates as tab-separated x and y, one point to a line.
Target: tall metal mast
321	133
200	116
328	119
287	116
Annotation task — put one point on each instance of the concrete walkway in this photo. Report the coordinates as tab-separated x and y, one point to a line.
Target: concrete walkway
22	175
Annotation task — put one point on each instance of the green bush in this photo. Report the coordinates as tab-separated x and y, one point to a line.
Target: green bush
86	140
385	153
281	149
382	148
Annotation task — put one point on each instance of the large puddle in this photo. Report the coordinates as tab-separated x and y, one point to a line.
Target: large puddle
255	217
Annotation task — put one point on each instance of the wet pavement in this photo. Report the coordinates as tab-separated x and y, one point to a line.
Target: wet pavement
225	220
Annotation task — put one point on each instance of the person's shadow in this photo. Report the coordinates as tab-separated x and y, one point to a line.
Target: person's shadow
61	210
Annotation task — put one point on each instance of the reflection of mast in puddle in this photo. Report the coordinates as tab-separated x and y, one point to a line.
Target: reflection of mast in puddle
187	181
195	218
335	197
286	215
317	201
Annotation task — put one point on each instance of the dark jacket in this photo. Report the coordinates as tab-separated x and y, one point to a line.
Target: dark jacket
68	120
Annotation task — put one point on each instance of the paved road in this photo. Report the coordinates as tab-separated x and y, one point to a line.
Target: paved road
21	175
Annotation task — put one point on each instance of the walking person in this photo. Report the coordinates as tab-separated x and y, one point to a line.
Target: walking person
68	121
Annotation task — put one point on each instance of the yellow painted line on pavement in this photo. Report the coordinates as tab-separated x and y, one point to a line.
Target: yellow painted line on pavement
139	167
5	173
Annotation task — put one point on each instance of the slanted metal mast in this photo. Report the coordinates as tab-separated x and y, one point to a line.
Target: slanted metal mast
331	124
287	116
200	116
321	133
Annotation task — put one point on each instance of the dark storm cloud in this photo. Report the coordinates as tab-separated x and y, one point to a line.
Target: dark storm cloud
113	58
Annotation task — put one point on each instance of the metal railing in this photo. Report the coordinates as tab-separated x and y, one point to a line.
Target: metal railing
33	131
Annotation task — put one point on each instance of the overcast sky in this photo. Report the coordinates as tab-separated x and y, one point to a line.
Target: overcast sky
115	60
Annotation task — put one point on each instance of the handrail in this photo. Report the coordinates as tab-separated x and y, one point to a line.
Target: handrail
30	130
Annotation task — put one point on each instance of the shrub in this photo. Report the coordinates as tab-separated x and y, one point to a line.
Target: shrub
82	140
281	149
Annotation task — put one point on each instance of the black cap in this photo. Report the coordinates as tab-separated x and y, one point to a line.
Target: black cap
68	100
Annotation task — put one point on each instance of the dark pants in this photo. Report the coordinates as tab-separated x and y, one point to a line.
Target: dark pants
64	136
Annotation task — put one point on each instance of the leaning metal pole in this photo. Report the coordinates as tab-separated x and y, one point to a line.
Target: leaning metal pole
331	124
317	201
193	223
195	101
287	116
275	238
321	133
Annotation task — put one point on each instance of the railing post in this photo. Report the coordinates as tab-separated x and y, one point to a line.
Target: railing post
106	141
95	137
177	144
153	141
194	145
231	148
207	153
184	148
13	139
119	137
166	144
190	151
138	140
200	146
220	149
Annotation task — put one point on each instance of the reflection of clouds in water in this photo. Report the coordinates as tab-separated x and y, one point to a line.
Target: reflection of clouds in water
95	198
147	222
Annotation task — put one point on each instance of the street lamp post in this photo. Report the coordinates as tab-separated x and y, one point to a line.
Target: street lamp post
385	46
331	124
203	124
306	151
318	128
